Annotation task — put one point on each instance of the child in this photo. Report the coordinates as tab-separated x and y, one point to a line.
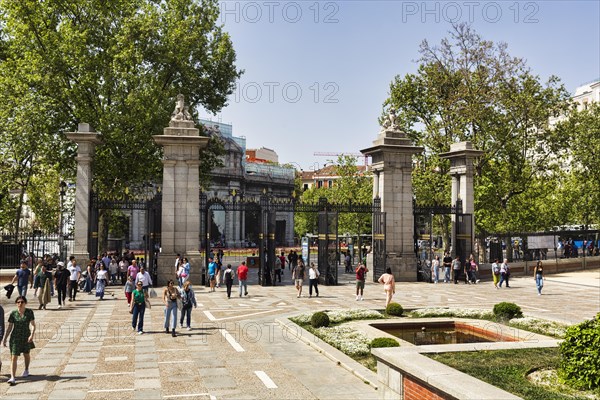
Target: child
129	289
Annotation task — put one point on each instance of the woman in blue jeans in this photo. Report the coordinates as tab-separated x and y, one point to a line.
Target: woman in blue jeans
170	296
188	299
538	275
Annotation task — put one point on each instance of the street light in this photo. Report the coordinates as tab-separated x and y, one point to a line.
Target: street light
61	239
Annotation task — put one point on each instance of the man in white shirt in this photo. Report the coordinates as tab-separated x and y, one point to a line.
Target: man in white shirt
144	277
75	272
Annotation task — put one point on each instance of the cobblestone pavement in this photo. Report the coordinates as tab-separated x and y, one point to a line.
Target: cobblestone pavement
235	349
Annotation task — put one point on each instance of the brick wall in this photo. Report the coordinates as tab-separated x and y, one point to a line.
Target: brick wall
414	390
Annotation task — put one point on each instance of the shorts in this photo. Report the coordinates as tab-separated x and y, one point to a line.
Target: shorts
360	284
211	277
298	282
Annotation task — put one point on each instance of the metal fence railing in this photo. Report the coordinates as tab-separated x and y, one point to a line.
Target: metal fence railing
32	245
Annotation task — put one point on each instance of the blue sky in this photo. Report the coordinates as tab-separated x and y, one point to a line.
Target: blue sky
317	72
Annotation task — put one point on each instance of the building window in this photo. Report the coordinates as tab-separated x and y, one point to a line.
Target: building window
305	187
330	183
319	184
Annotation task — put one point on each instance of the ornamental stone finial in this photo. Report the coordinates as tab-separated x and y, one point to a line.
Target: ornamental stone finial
181	112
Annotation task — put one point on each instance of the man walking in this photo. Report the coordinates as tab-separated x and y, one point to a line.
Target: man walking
447	264
74	275
61	279
242	273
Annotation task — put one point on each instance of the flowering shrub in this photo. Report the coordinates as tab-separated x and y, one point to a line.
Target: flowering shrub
345	339
339	316
451	312
551	328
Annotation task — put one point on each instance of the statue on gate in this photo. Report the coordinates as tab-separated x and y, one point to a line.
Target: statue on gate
181	112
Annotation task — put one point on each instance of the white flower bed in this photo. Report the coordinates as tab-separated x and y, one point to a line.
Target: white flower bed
338	316
451	312
346	339
540	325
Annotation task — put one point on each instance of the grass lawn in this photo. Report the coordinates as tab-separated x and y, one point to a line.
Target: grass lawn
508	369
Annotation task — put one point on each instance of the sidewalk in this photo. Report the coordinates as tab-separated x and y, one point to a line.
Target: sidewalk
236	349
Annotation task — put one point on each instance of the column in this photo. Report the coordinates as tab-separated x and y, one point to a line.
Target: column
86	140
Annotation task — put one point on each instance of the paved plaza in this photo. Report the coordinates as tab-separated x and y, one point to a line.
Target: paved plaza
237	348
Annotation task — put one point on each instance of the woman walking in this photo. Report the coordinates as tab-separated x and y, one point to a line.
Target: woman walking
101	281
389	285
496	273
21	329
538	275
138	308
435	269
170	296
188	299
313	279
298	276
44	290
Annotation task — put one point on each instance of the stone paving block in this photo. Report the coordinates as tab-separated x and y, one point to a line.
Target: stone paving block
147	395
75	368
219	382
26	385
72	394
145	365
151	383
204	372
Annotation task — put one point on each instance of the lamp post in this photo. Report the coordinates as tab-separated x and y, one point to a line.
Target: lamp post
61	239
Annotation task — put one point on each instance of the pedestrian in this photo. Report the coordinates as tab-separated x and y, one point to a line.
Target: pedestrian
188	299
170	296
138	308
185	275
313	279
504	273
435	269
74	276
228	276
348	263
101	281
218	273
113	269
123	265
496	272
277	270
538	275
89	276
144	277
23	278
471	269
133	270
298	276
242	274
447	261
21	329
456	267
389	285
61	280
129	287
1	329
45	284
361	272
212	270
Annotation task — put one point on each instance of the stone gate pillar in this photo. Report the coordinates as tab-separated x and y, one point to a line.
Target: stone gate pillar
86	140
461	156
181	144
392	155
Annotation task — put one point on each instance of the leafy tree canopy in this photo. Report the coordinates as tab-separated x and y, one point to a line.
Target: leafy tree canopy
468	88
117	65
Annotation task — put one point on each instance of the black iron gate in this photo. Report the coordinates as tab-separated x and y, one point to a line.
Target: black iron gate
424	237
147	199
266	206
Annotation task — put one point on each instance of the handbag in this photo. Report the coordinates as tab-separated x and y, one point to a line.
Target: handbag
147	301
152	293
179	304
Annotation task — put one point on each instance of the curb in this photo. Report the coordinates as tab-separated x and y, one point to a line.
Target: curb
366	375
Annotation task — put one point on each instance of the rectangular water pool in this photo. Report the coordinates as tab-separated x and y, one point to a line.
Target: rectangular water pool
442	332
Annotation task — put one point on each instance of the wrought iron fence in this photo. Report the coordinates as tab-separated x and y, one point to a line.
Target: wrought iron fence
32	245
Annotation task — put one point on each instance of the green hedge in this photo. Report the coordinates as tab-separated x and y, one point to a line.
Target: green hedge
394	309
319	319
580	350
506	311
384	342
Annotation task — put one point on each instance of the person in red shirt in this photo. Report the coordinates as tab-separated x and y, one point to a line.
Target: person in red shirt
361	272
242	273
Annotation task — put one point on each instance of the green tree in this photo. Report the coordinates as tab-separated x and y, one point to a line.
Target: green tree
117	65
581	200
468	88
